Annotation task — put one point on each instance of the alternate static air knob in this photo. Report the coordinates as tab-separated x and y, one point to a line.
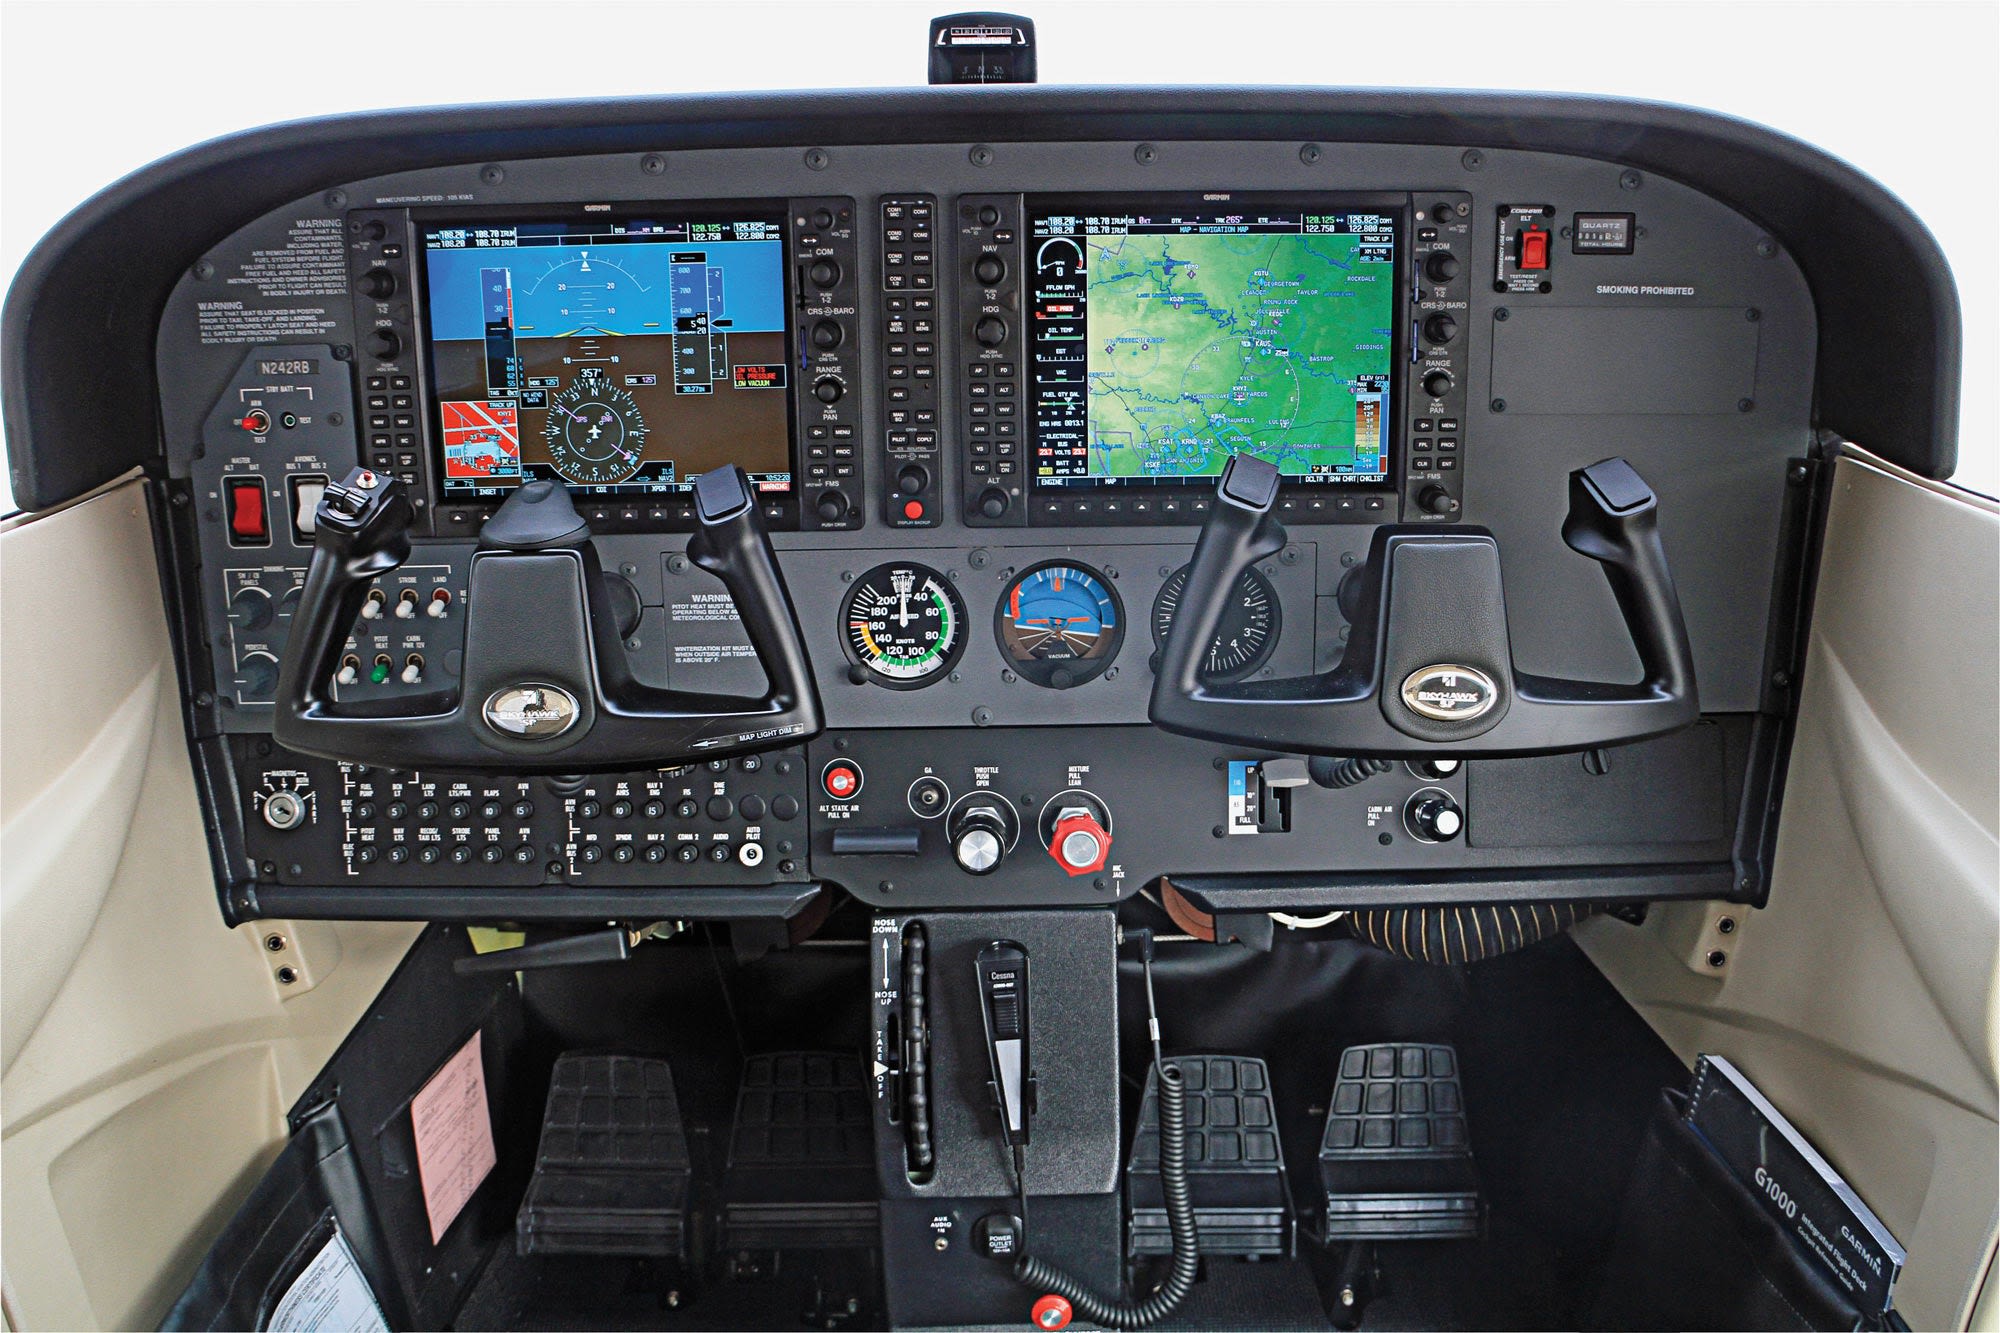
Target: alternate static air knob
1079	843
978	839
1432	816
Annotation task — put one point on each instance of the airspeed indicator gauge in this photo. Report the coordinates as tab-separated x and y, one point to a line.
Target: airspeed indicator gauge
903	624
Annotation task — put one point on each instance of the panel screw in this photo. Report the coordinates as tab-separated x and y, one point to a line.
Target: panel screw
979	559
1630	180
1498	404
653	164
980	156
1289	556
1745	404
1753	314
1347	559
1767	247
204	700
887	886
1145	154
982	717
1309	153
275	943
1597	762
1472	159
1725	925
180	500
492	173
204	270
1008	678
677	564
287	975
1716	958
1385	838
336	198
818	159
1502	314
1218	832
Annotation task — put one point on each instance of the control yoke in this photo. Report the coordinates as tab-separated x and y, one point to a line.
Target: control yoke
1428	667
545	685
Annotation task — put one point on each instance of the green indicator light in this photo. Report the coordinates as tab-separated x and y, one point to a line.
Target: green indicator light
380	673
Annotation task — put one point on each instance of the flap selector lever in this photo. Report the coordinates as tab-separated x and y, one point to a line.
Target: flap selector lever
1428	667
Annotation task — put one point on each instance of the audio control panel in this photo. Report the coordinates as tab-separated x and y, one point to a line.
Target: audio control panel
993	428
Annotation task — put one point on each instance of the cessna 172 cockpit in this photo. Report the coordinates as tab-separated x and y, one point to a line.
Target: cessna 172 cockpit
1180	708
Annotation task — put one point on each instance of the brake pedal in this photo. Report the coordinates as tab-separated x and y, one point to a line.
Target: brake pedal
1236	1164
801	1156
1396	1157
612	1171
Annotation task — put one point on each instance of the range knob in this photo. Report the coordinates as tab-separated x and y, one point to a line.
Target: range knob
1437	501
1438	383
826	335
1078	842
990	331
1432	816
979	839
1441	328
993	502
824	273
989	269
1442	266
828	389
378	284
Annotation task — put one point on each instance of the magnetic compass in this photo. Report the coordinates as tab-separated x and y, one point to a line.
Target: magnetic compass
595	434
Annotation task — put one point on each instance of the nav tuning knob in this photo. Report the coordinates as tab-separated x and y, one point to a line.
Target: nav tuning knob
1432	816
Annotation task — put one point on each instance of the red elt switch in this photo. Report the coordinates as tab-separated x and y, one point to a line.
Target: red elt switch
841	780
1534	250
249	520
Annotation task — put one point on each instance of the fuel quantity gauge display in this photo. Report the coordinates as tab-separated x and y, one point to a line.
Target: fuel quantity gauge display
903	625
1059	624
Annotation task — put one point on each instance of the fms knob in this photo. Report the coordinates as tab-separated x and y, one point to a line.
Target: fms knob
1432	816
979	837
1436	500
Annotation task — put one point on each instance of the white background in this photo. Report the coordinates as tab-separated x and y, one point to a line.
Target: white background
1908	92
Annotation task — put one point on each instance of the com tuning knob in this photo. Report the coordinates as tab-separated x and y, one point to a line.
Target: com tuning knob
982	829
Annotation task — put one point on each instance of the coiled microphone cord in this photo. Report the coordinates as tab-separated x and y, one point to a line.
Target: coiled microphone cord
1032	1272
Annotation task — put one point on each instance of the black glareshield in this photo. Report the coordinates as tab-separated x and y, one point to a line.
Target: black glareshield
1003	1004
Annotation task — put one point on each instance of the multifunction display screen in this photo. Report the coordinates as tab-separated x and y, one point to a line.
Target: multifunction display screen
1167	335
620	356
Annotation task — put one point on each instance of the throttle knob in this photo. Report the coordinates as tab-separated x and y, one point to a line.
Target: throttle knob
979	840
1432	816
1079	843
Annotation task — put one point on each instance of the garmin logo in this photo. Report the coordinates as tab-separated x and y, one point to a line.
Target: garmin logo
531	712
1447	693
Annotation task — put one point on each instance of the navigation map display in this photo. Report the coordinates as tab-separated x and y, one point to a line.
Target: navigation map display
617	355
1166	337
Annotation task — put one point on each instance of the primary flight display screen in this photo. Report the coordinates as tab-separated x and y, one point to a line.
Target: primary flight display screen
617	355
1167	335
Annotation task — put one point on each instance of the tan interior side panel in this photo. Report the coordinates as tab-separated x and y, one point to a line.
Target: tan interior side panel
1862	999
150	1052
